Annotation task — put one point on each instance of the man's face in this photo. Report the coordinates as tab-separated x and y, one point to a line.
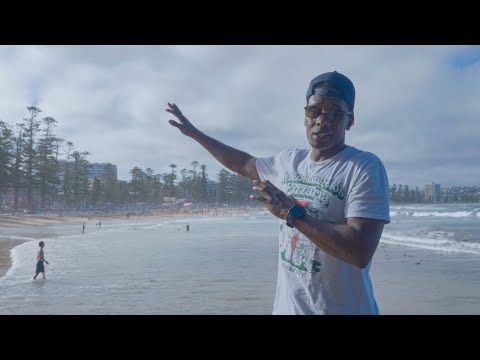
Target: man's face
326	121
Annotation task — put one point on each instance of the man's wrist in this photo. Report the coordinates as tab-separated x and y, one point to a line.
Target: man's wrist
294	213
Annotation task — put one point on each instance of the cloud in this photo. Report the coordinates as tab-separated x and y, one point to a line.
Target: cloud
416	106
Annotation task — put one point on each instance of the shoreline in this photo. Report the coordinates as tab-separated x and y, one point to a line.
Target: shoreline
6	245
405	279
13	226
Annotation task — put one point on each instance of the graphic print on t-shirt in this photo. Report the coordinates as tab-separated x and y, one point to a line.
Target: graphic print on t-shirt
314	193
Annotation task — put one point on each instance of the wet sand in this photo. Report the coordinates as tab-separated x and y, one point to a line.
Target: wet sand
413	281
7	244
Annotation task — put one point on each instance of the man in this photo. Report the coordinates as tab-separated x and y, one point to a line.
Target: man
40	260
332	201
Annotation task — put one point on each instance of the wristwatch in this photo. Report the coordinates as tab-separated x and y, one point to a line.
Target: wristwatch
294	213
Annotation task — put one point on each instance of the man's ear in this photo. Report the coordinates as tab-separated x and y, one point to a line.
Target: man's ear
350	122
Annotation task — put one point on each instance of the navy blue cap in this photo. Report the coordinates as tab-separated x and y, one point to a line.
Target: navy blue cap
344	88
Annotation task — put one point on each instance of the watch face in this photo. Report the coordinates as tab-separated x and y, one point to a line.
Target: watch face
297	211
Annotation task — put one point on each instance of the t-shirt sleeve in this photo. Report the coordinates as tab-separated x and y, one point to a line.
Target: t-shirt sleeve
265	167
369	197
271	168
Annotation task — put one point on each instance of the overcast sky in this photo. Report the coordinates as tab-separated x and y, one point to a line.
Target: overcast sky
417	107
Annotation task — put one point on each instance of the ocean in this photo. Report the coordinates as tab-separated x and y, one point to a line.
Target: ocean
223	265
445	228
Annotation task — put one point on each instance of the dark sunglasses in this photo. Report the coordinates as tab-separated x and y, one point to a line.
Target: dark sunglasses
330	115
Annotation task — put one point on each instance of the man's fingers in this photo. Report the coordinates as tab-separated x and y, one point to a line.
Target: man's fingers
267	195
175	107
171	108
265	198
269	185
258	198
174	123
174	112
258	185
264	184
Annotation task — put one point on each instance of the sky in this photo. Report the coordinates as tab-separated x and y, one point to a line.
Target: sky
417	107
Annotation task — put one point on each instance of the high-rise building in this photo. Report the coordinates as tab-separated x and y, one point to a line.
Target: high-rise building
97	170
433	192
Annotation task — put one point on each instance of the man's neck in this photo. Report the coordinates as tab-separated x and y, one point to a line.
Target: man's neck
319	155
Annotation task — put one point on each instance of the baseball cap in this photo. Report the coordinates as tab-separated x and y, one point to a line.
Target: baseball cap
344	88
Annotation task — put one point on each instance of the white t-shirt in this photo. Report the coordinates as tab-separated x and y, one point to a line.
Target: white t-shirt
353	183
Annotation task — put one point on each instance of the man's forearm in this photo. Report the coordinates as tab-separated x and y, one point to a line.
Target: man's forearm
233	159
343	241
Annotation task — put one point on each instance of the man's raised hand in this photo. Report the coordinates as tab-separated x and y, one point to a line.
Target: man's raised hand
183	124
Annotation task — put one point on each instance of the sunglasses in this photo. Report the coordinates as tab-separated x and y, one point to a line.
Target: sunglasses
330	115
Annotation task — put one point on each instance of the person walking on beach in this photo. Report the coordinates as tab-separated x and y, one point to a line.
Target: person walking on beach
83	228
331	199
40	260
188	227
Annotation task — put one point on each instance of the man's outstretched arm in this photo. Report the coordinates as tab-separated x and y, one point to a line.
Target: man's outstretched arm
233	159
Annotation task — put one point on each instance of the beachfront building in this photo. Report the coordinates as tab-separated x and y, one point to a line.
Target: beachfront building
433	192
97	170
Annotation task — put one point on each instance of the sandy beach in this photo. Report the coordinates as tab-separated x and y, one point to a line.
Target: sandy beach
6	244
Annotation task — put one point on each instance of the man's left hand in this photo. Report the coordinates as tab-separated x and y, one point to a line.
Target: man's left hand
276	201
